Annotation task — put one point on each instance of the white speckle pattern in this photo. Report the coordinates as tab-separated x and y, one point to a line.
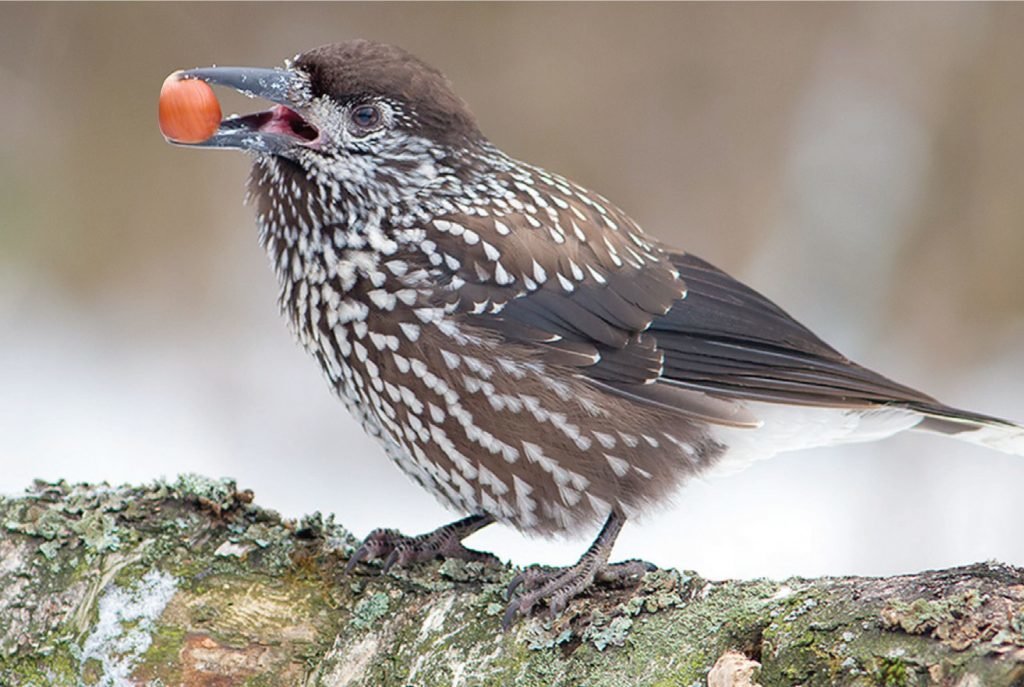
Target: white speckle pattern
619	466
390	264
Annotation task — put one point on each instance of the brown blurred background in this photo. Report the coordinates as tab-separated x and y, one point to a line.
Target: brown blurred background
861	164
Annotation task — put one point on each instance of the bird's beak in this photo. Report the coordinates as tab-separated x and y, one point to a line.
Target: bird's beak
272	131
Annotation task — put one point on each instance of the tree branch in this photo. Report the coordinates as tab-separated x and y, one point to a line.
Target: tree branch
192	584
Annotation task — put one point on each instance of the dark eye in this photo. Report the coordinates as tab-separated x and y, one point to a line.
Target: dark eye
366	116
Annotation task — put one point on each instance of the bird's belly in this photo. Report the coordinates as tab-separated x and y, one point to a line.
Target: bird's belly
486	427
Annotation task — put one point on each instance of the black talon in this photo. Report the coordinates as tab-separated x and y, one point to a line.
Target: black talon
398	549
516	581
509	617
391	560
357	555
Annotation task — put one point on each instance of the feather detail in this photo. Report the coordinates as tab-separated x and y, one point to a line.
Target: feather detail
974	428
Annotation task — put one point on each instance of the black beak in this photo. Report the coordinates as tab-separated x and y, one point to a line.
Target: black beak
272	131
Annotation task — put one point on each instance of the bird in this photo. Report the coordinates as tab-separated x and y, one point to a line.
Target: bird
520	347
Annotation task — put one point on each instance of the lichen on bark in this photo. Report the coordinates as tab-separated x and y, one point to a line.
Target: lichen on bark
191	583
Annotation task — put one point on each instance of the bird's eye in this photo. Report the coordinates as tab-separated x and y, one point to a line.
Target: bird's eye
366	116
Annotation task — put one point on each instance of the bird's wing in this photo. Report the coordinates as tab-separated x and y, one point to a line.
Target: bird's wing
567	270
727	338
574	277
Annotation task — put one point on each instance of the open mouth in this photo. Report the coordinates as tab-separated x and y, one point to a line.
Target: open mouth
277	130
279	120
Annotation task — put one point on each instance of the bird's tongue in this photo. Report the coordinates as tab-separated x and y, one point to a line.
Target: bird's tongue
279	120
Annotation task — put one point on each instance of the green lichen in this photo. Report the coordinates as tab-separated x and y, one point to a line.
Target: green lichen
49	549
613	633
922	615
99	532
286	606
201	488
369	610
892	672
160	664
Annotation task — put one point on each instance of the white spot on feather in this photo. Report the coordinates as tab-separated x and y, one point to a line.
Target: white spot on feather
619	466
410	329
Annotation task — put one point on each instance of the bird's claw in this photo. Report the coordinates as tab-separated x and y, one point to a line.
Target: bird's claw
378	543
557	587
398	549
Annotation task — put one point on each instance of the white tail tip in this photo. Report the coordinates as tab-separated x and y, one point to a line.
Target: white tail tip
1005	438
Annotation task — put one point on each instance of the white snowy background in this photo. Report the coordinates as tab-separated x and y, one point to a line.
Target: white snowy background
861	164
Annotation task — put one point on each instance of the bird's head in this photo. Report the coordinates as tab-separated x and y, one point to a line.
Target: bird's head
359	113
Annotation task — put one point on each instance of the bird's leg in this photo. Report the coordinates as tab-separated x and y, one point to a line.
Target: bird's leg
559	586
444	542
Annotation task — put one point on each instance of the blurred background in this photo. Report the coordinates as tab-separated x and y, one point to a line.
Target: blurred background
861	164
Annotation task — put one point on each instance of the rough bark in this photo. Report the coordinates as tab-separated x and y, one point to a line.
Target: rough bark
192	584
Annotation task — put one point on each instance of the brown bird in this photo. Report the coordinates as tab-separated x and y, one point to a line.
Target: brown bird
515	341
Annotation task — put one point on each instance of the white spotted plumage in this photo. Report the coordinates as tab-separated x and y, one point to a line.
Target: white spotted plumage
472	310
378	255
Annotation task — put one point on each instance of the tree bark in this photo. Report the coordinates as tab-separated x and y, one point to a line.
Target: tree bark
192	584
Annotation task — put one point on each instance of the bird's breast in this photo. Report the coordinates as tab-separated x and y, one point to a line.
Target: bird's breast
484	424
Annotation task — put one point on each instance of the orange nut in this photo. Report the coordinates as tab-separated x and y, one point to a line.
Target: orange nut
189	110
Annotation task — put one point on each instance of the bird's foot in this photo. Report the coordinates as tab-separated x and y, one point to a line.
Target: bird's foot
444	542
558	586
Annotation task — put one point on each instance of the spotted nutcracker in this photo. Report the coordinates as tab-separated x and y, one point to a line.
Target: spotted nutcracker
517	344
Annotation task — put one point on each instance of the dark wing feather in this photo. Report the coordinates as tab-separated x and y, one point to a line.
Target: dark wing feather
728	339
567	315
575	278
720	308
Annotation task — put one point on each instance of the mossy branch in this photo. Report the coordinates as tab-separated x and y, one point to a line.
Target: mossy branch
192	584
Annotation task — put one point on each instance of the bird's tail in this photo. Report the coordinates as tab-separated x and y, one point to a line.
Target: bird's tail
991	432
